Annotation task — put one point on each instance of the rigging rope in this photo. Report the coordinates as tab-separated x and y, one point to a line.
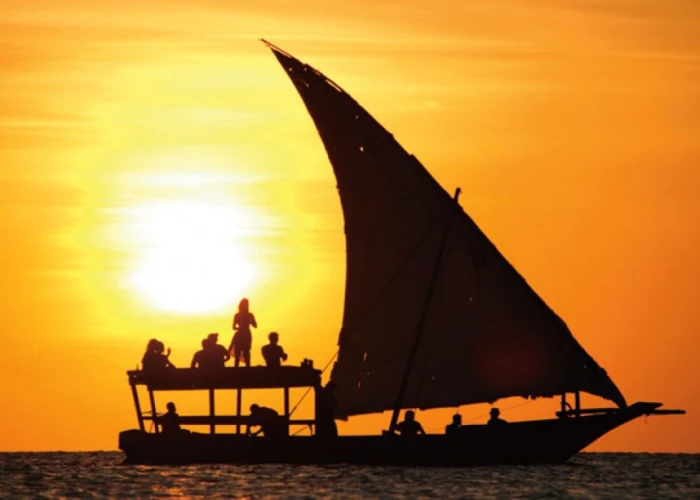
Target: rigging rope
396	275
372	306
482	415
344	337
308	389
303	429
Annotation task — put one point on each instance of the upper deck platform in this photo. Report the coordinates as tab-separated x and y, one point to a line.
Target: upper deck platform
256	377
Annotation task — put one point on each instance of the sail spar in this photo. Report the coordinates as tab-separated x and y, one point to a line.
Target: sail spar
487	334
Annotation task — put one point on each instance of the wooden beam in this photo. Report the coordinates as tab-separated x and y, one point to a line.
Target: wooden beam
153	409
137	405
226	420
577	406
286	402
212	413
564	410
589	411
255	377
668	412
238	409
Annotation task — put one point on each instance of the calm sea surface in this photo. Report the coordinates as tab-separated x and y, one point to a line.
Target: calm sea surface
589	475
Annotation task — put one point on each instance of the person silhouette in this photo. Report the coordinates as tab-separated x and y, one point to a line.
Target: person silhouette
273	352
199	358
213	355
154	359
456	424
170	421
217	354
410	426
268	420
495	418
242	338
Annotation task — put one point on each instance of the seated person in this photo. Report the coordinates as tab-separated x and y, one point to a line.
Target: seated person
213	355
154	360
410	426
270	423
273	352
199	356
170	422
495	419
456	424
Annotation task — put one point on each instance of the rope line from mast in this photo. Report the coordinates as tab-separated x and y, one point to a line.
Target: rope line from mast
384	290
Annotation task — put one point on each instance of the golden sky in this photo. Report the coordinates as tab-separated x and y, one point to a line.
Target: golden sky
138	137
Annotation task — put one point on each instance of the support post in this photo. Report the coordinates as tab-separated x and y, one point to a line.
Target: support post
153	409
212	426
137	405
238	410
317	404
563	404
578	404
286	409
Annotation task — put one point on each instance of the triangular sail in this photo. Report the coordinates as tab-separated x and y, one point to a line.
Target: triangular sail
487	335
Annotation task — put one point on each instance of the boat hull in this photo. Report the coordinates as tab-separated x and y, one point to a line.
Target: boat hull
532	442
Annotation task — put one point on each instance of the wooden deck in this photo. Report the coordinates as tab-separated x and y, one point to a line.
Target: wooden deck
256	377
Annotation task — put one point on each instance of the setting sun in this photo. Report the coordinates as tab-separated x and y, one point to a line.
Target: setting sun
191	262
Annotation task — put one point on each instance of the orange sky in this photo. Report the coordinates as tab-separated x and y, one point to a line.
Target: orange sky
137	135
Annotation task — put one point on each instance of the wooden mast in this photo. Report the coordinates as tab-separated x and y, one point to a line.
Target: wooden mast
421	324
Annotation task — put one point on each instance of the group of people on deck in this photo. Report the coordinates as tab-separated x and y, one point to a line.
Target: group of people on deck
411	427
267	421
271	425
214	355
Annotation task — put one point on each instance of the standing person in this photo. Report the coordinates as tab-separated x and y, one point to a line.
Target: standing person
242	339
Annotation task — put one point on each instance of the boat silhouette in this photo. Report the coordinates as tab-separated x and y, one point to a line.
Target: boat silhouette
434	317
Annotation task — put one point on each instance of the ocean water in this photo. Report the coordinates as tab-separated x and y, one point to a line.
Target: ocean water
588	475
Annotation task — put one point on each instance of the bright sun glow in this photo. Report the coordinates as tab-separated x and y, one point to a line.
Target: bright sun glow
192	260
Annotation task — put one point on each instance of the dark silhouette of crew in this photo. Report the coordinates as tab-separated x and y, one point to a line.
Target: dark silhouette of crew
242	338
325	411
269	421
170	421
455	426
213	355
154	359
273	352
198	360
410	426
495	417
